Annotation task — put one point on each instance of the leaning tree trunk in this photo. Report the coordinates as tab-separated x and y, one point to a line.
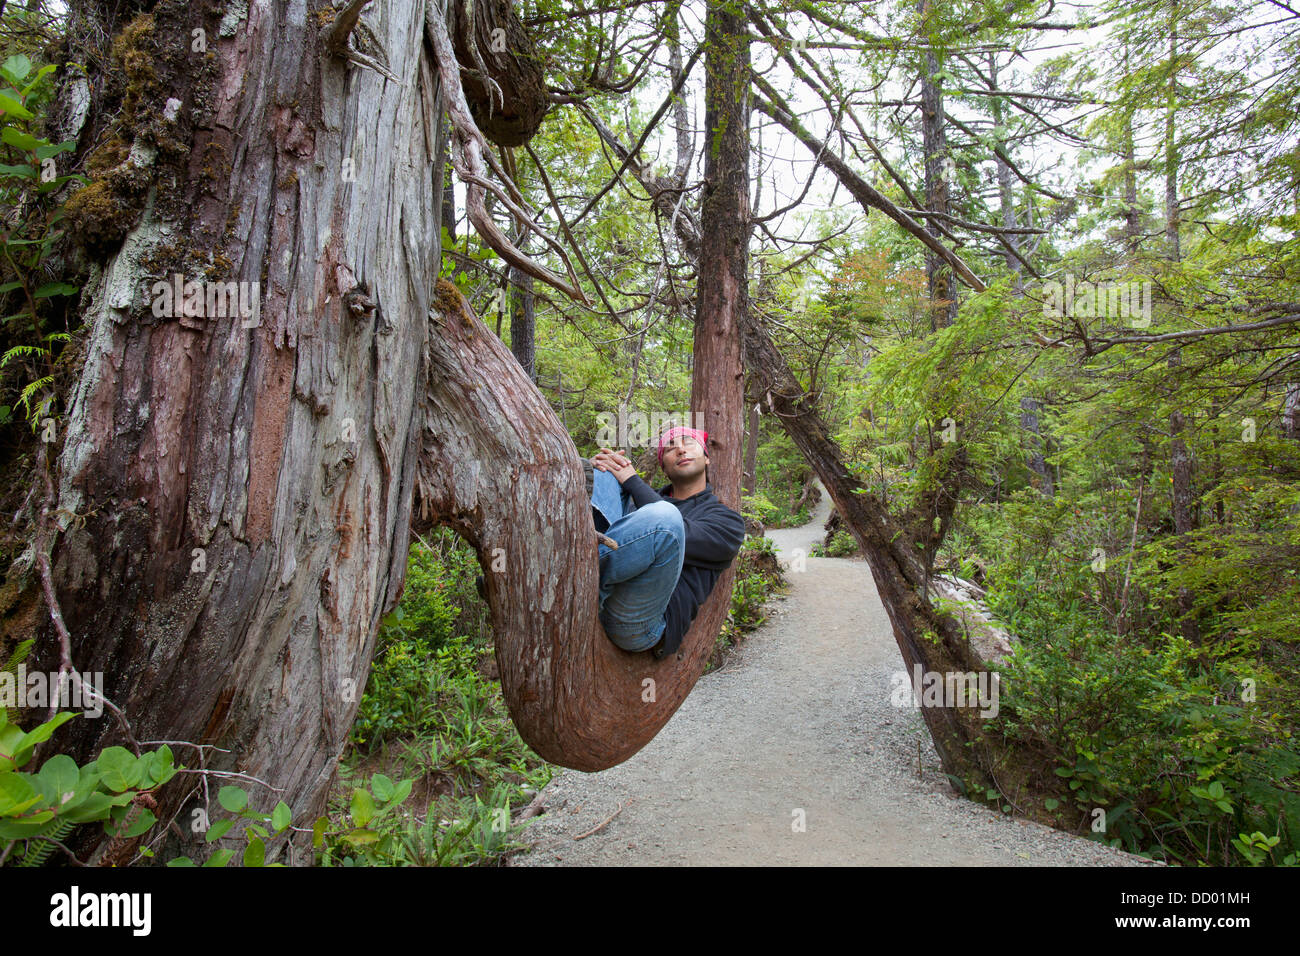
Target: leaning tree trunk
245	485
924	637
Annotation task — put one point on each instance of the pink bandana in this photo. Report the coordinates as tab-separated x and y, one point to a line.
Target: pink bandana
700	436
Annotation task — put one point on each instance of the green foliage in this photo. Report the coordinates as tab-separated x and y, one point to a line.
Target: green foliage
841	545
429	708
782	474
39	808
482	834
28	183
1178	765
757	574
370	807
1151	729
420	665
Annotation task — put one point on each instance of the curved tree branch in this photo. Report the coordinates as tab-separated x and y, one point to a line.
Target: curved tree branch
469	149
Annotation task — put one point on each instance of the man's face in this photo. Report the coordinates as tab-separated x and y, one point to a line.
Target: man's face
684	458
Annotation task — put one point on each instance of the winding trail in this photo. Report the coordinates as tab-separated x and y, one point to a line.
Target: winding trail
797	725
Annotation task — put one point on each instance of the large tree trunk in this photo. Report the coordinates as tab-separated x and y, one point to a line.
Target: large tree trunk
246	491
751	449
575	698
722	295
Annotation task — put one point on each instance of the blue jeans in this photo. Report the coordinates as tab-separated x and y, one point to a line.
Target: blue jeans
638	578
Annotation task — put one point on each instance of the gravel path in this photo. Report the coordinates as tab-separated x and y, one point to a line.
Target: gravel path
797	725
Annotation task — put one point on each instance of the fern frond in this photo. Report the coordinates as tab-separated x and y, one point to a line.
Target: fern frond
25	396
11	667
38	852
28	351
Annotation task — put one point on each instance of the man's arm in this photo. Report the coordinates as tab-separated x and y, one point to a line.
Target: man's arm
641	492
715	539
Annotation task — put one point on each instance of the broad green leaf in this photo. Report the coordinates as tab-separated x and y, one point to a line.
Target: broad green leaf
27	827
361	837
143	822
59	775
16	137
16	793
232	798
96	806
121	769
255	853
218	830
220	857
54	288
363	808
14	106
382	786
281	817
16	68
160	768
40	75
53	149
21	750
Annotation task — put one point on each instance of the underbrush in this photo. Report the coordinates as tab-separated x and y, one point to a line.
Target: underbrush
433	717
431	714
1180	751
758	574
841	545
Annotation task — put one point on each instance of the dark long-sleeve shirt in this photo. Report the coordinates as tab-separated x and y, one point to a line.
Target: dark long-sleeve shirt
714	534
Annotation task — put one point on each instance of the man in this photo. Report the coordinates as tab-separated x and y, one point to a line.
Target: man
673	544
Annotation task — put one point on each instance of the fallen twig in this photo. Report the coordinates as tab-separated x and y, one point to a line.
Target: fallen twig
604	823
